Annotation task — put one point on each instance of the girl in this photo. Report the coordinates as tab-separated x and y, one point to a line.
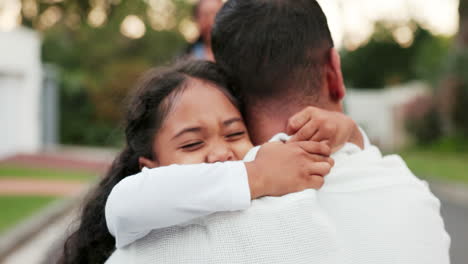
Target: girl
186	115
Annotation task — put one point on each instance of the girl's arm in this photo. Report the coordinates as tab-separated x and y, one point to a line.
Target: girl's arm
167	196
176	194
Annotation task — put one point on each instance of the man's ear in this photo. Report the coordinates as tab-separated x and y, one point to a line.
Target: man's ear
144	162
336	88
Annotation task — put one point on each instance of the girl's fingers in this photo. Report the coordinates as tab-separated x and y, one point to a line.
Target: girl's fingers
313	147
306	132
319	158
327	132
314	181
299	120
319	168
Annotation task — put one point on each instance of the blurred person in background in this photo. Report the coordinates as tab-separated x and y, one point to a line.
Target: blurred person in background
204	14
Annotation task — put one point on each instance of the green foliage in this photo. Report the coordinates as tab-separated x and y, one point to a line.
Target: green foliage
451	102
460	115
456	64
383	62
98	65
430	56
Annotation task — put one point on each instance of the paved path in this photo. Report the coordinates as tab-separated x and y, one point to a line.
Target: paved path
15	186
456	222
37	249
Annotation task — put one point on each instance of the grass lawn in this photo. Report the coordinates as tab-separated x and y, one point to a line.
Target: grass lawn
444	166
16	208
16	171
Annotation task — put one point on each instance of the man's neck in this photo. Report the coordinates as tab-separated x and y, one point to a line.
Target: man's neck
265	122
264	127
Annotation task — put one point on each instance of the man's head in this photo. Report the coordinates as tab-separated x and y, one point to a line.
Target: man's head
280	56
204	13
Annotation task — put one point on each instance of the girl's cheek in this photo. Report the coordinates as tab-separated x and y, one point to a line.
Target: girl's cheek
241	148
193	157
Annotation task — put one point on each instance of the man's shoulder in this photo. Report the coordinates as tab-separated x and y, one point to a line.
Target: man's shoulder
357	170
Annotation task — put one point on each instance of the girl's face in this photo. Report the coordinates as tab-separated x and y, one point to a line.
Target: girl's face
202	126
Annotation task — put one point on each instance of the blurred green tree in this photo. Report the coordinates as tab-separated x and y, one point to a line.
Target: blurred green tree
383	61
100	48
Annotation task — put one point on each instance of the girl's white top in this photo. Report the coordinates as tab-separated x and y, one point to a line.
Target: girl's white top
372	209
173	195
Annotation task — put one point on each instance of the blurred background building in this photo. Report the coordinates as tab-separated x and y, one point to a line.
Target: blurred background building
66	67
28	94
20	90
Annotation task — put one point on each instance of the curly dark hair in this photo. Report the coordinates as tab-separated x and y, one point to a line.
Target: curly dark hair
155	93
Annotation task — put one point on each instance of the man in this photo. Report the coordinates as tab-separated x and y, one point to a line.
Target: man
204	14
372	209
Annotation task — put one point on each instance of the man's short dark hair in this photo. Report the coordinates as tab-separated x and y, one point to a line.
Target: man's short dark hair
272	47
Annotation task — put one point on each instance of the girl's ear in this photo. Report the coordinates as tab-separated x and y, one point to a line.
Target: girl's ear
144	162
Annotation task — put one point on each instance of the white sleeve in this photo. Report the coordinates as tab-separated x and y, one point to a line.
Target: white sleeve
173	195
365	138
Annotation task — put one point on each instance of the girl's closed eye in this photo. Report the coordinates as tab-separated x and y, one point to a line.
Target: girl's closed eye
192	146
235	135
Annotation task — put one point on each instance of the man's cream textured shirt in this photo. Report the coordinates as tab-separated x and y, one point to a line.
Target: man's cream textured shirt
372	209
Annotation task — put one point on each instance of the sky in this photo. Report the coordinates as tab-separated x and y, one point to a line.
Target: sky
351	21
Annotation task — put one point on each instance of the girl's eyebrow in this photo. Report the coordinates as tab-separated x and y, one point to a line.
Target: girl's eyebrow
232	120
187	130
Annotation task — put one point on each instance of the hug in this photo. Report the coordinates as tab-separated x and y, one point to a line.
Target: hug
251	160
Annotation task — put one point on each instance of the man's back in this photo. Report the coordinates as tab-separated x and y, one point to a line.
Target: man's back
370	210
382	212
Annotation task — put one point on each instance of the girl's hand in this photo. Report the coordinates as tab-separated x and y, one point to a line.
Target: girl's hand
281	168
315	124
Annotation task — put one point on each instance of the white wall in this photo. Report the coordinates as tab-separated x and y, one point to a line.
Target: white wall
20	84
379	112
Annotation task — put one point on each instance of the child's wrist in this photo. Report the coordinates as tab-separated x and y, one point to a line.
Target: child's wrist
256	182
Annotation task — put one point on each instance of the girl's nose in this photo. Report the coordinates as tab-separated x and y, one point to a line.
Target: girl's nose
220	154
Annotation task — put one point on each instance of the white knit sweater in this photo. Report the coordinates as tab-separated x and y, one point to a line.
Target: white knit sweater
372	209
